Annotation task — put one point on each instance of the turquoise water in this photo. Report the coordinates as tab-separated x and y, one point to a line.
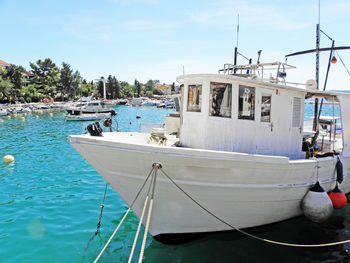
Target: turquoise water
50	203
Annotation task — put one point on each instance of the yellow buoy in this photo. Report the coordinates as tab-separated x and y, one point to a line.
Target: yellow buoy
37	116
15	115
8	116
8	159
23	119
51	114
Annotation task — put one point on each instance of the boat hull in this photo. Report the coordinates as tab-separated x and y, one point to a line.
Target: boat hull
242	189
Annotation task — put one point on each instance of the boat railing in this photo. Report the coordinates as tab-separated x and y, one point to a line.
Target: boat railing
258	71
146	127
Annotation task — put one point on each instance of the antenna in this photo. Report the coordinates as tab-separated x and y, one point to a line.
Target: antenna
237	30
236	48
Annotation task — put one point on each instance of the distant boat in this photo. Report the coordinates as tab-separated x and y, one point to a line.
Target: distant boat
87	116
3	112
88	107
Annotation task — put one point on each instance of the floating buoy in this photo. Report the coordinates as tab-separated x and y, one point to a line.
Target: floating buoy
138	116
23	119
8	116
316	205
339	167
130	123
37	116
8	159
51	114
15	115
338	198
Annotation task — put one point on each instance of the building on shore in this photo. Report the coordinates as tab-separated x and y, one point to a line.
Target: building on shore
3	64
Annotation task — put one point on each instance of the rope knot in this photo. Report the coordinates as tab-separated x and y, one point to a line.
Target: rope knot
157	165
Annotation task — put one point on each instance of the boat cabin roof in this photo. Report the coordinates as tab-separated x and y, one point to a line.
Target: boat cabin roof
308	88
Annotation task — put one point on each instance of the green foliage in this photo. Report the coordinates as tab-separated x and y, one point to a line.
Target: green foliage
5	89
149	94
45	72
46	80
126	91
157	91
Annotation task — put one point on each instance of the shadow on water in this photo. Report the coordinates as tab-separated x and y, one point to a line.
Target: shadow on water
232	246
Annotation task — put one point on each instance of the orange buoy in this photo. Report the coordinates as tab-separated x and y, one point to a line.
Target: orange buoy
338	198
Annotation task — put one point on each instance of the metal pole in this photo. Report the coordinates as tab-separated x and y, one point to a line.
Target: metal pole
104	89
317	74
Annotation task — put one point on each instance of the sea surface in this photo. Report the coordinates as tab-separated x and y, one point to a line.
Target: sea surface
50	201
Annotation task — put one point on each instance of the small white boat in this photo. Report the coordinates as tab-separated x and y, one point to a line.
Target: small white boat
136	101
88	107
87	116
3	112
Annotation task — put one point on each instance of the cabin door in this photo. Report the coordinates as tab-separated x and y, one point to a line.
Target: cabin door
265	126
295	147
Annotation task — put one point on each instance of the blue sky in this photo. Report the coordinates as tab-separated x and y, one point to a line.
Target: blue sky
154	39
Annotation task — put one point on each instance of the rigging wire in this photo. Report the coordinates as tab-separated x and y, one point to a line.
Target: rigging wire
342	62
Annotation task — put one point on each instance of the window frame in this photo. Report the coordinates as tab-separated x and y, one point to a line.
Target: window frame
253	103
200	95
211	98
265	94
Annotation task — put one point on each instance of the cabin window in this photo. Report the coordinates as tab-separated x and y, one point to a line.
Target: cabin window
194	98
265	108
246	102
220	99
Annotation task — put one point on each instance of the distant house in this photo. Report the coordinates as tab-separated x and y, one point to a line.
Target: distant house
166	89
3	64
28	77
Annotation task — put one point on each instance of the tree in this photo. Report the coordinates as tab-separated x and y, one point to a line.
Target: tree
149	85
14	74
126	91
5	89
116	87
66	79
45	76
137	87
100	87
76	83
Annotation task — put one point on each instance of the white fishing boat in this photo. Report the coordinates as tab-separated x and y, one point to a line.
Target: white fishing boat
241	151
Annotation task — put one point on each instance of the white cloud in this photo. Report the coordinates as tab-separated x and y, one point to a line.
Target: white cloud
261	16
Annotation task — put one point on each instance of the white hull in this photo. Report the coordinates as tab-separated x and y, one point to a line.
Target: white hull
243	189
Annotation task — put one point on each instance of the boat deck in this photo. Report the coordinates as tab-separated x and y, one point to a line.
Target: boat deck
136	138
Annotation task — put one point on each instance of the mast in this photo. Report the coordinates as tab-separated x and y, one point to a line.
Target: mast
317	73
315	124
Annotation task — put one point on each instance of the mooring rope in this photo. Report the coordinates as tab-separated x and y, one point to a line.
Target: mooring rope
149	216
126	213
141	219
248	234
99	220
